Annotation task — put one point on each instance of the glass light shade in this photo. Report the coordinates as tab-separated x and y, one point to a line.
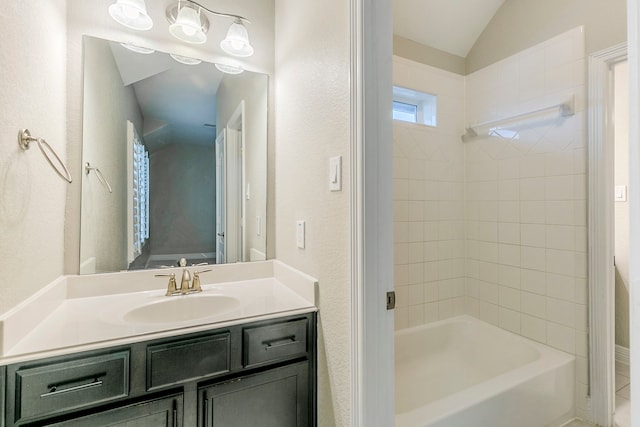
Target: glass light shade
237	41
188	26
229	69
137	49
131	14
185	59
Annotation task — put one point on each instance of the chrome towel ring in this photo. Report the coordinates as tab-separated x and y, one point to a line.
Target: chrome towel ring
25	138
103	180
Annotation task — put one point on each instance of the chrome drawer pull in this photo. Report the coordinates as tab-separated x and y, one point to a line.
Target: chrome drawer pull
280	342
54	389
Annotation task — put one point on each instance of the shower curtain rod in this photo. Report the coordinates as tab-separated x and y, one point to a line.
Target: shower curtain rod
565	109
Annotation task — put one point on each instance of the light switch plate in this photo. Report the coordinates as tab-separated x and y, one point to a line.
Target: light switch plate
335	173
300	234
620	193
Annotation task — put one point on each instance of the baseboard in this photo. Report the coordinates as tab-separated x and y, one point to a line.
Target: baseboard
622	355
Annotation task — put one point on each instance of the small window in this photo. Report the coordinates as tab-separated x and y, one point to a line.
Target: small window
414	107
405	112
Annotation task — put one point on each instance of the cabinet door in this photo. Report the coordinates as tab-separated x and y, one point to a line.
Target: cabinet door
276	398
165	412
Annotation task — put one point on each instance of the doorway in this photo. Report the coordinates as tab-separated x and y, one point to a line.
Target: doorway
602	132
620	74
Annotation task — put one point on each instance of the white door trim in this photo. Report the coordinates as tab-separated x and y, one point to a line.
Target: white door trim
601	233
371	213
633	36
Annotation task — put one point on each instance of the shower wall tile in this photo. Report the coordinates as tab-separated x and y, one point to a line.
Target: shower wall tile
496	227
538	167
429	189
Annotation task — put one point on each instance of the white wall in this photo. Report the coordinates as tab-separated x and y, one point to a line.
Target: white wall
312	125
429	201
526	201
32	196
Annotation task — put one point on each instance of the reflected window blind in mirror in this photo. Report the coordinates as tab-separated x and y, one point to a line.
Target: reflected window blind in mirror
138	195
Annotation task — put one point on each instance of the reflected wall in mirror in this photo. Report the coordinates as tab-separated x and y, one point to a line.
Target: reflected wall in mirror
183	149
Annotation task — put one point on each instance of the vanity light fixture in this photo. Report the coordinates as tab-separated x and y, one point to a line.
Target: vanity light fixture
237	41
229	69
189	24
132	14
185	59
137	49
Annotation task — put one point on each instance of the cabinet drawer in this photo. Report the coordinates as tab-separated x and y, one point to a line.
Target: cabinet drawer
78	383
185	360
275	342
162	412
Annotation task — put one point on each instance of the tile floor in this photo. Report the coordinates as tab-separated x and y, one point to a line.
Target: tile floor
622	416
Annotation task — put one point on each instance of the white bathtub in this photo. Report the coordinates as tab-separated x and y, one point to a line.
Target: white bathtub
463	372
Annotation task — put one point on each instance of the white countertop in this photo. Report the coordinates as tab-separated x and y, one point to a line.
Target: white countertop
79	313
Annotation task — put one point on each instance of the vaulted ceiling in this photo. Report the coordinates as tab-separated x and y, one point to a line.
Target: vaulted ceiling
449	25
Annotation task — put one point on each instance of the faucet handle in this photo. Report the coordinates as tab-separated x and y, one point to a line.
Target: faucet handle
172	287
195	287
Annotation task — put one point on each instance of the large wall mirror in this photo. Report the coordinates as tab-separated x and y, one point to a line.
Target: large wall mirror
174	161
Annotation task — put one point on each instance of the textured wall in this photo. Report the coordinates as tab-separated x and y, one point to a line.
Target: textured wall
312	125
32	196
429	201
520	24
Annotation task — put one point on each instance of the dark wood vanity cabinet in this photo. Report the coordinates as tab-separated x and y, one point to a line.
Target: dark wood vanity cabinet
275	398
162	412
261	373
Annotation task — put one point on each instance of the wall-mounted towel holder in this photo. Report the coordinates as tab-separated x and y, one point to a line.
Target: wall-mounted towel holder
25	138
88	168
564	109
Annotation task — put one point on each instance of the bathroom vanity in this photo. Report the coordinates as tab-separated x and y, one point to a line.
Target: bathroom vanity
251	363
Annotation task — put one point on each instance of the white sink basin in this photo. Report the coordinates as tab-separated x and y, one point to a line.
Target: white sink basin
182	308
